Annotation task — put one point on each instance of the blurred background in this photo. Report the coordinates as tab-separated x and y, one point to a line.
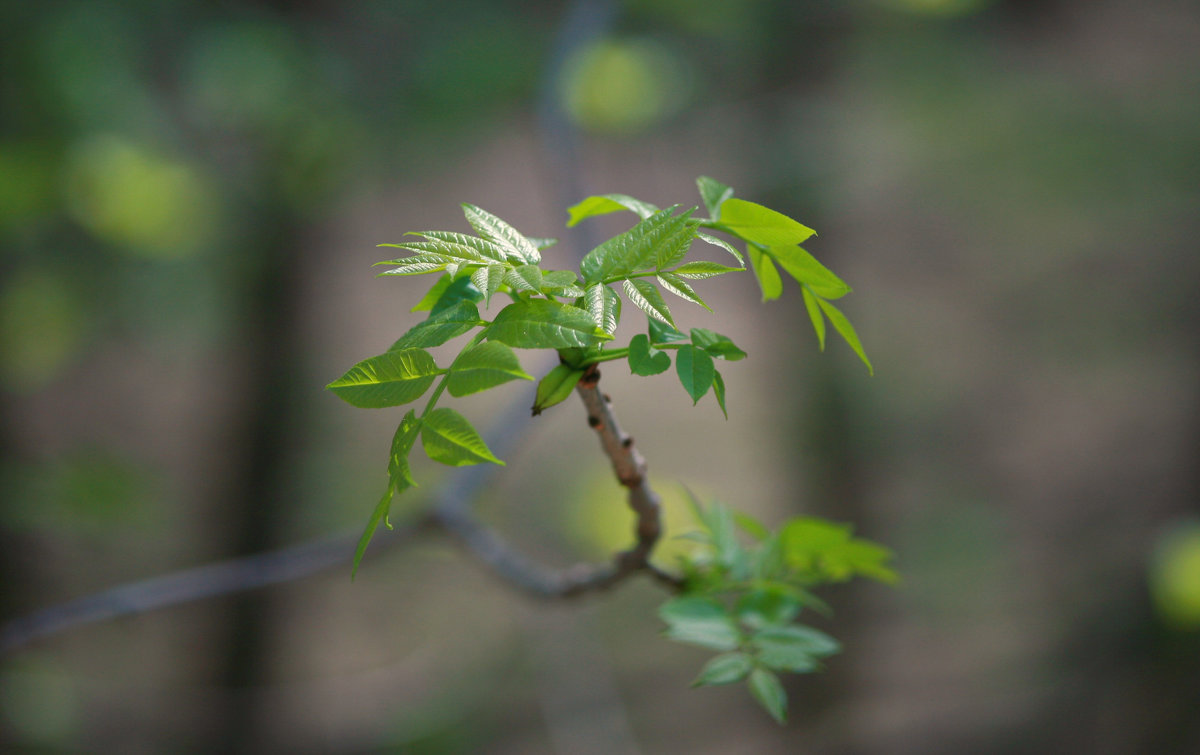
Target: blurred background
190	195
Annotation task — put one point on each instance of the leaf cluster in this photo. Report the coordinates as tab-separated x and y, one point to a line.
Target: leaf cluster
745	587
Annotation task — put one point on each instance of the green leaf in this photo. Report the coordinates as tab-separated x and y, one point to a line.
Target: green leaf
724	245
724	669
458	290
639	247
701	269
399	479
488	280
714	193
796	637
544	324
716	344
390	379
681	288
718	386
695	369
807	270
561	283
437	329
542	243
751	526
700	621
644	359
484	366
434	294
555	387
485	248
448	438
660	332
768	691
418	264
768	276
525	278
606	203
516	247
828	551
768	606
604	307
447	249
843	326
814	314
761	225
646	297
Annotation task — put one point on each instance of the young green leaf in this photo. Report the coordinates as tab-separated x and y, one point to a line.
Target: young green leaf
714	193
542	243
724	245
716	344
700	621
390	379
378	514
695	369
485	248
555	387
718	386
418	264
761	225
450	439
639	247
724	669
544	324
561	283
488	280
768	276
807	270
606	203
604	307
768	606
660	332
437	329
525	278
399	479
484	366
843	326
768	691
426	303
681	288
702	269
796	637
516	247
814	314
447	249
646	297
644	359
458	290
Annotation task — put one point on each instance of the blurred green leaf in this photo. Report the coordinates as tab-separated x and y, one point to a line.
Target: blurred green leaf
768	691
390	379
724	669
606	203
768	276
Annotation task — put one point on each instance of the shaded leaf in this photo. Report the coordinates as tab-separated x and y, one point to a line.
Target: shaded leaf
644	359
768	691
700	621
484	366
724	669
488	280
799	638
695	369
542	243
661	332
399	479
433	295
390	379
450	439
716	344
718	385
544	324
458	290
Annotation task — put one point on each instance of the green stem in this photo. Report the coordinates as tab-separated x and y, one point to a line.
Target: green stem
441	386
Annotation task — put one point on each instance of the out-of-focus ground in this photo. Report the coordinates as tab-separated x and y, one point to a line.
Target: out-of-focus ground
190	195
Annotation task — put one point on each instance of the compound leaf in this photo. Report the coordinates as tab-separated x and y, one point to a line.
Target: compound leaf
606	203
390	379
516	247
681	288
544	324
484	247
638	247
843	326
814	314
450	439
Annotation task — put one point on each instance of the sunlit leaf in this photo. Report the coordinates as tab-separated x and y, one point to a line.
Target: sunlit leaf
517	248
639	247
485	248
390	379
681	288
807	270
814	314
766	273
606	203
484	366
426	303
714	193
544	324
702	269
555	387
715	241
488	280
450	439
459	290
761	225
646	297
843	326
